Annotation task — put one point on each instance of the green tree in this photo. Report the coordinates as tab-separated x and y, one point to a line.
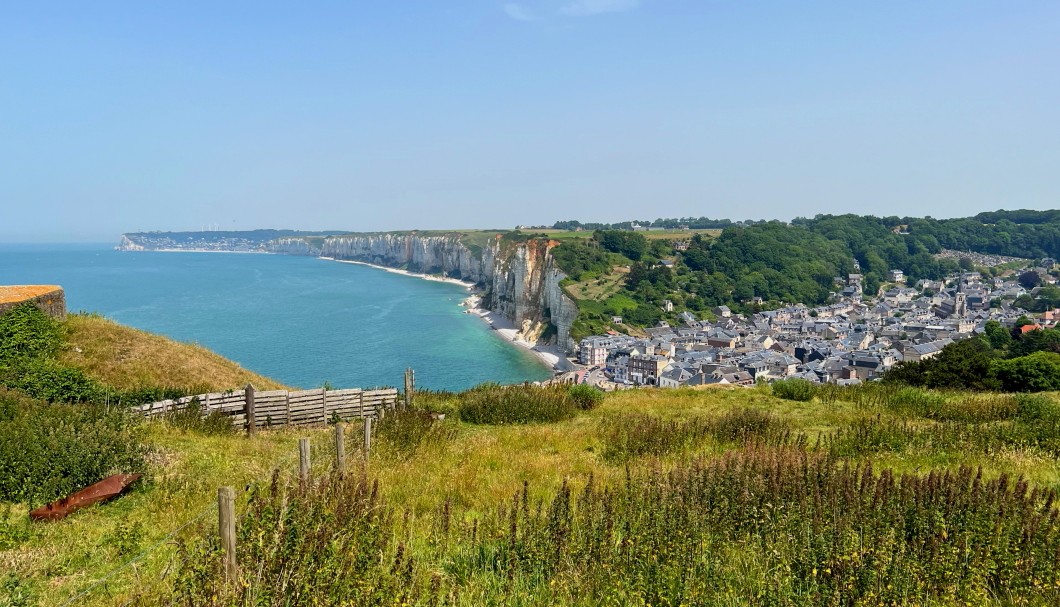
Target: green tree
1030	279
1033	373
999	336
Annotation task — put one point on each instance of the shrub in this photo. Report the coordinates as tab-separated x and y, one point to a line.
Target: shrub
794	389
786	526
1034	407
50	450
629	436
406	429
326	542
1032	373
49	380
585	396
27	332
194	418
522	404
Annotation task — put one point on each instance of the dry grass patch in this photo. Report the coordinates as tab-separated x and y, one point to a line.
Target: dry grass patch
127	358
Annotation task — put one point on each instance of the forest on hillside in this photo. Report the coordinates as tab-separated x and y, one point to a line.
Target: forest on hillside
778	262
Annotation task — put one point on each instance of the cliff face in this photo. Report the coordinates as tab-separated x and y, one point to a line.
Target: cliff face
292	246
426	254
127	244
521	280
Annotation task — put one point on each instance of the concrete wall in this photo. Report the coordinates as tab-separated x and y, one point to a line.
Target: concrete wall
49	298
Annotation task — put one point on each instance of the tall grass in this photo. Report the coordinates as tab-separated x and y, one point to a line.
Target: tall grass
774	526
326	542
920	402
761	525
404	430
629	436
521	404
194	417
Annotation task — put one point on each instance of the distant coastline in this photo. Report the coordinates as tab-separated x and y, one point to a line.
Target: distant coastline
192	251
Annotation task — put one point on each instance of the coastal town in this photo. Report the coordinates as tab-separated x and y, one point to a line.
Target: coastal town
855	338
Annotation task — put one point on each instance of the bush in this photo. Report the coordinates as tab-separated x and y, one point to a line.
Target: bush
49	380
585	396
1035	372
628	436
786	526
48	451
794	389
326	542
1034	407
406	429
194	418
26	332
522	404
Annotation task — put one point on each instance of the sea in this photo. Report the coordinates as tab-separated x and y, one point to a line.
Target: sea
301	320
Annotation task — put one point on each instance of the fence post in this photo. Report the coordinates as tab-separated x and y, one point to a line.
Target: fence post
287	408
410	386
303	459
252	422
226	527
367	435
340	448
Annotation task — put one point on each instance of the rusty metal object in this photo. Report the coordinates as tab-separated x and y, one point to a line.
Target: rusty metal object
110	487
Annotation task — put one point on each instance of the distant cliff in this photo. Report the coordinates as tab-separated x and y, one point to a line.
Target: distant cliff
521	279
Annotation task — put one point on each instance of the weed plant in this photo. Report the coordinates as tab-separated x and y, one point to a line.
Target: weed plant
796	389
772	526
330	541
585	396
404	430
520	404
761	525
626	437
194	417
50	450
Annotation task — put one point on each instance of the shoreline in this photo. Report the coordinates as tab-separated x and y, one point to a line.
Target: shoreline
548	355
553	358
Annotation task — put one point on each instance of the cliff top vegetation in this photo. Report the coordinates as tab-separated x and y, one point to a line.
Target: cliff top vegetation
491	507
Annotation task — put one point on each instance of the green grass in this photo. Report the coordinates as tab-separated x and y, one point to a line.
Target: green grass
429	472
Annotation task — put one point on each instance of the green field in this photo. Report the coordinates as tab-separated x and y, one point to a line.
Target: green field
439	530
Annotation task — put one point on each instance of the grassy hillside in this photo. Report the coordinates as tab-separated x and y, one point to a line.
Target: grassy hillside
127	358
439	530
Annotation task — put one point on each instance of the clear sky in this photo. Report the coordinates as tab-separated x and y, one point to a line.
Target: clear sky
128	116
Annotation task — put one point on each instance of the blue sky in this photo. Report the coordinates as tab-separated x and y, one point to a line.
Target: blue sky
124	116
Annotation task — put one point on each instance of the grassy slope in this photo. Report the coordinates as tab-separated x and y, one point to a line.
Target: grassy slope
128	358
479	468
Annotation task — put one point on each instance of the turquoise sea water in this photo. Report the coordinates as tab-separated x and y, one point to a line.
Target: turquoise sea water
300	320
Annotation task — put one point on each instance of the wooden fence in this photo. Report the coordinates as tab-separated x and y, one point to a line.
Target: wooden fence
275	408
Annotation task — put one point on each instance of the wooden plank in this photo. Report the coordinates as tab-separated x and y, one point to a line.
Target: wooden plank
315	393
271	394
344	392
